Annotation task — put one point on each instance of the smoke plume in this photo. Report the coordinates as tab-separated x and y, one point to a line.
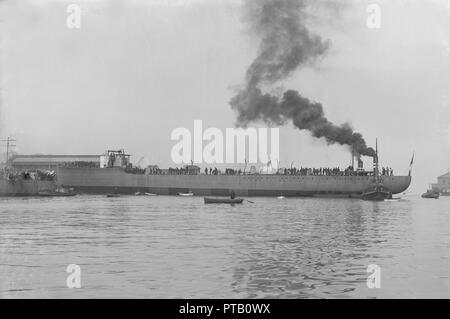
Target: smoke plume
286	45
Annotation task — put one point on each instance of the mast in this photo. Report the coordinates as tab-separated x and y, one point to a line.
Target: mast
353	158
376	172
9	143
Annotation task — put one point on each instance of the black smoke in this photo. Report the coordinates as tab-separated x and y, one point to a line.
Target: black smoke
286	44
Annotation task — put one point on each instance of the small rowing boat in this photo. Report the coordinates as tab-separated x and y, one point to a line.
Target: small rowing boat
210	200
186	194
112	195
144	194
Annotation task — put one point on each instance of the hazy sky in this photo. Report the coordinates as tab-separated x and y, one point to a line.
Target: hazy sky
136	70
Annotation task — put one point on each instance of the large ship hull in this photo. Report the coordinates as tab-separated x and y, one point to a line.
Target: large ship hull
24	187
107	180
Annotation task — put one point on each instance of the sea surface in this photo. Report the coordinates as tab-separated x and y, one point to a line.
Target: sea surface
178	247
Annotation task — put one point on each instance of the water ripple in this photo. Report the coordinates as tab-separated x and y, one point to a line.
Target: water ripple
178	247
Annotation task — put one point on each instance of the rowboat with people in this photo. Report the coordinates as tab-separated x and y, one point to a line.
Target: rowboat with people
215	200
186	194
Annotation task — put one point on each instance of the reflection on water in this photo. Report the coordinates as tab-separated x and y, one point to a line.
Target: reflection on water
155	247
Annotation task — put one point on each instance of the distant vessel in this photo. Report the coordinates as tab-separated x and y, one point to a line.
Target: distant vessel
431	193
118	174
443	185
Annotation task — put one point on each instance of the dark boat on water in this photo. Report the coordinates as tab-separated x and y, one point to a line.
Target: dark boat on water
431	193
211	200
112	195
377	193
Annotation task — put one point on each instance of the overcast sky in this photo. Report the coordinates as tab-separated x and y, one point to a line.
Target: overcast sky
136	70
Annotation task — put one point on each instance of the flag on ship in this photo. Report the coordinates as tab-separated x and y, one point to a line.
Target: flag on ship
411	164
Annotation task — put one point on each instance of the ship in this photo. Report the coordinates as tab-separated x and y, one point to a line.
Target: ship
19	186
116	175
15	182
443	185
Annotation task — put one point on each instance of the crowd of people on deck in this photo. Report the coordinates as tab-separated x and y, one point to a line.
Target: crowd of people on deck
81	164
25	175
182	171
135	170
335	171
302	171
154	171
387	171
214	171
322	171
228	171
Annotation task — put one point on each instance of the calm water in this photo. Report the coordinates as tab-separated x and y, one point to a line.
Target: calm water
172	247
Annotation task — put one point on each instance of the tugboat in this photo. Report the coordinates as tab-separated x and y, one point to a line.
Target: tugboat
431	193
376	192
